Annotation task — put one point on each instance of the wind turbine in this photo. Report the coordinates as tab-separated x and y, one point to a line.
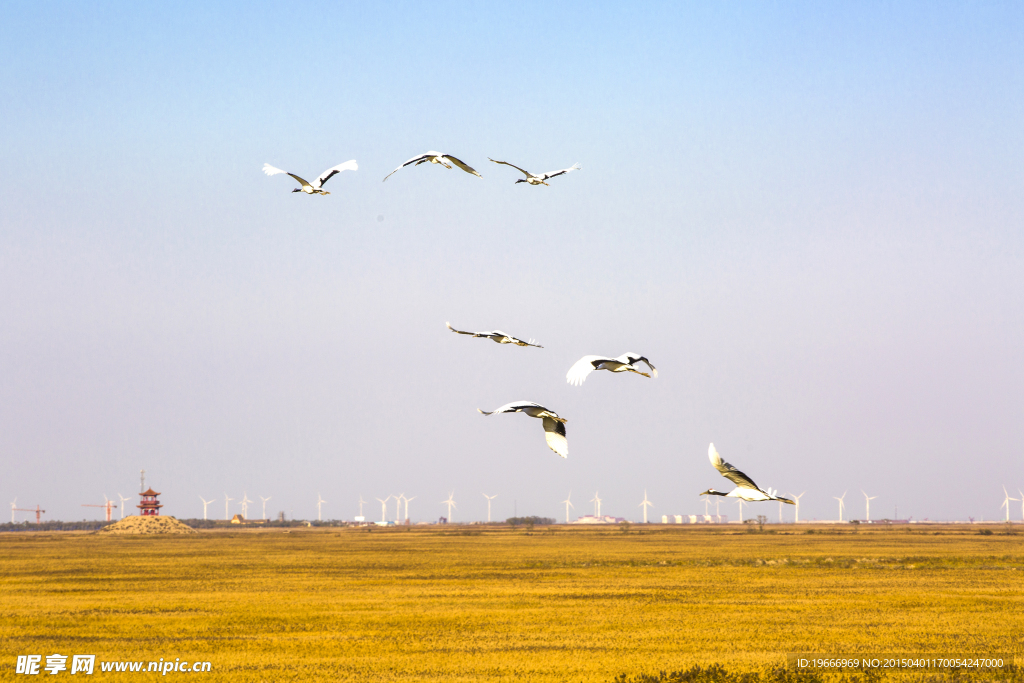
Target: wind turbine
319	501
14	505
451	504
398	507
644	505
567	506
205	503
361	503
707	502
489	499
123	499
718	510
1021	504
841	504
867	505
226	499
597	504
1006	504
797	499
265	506
407	507
383	509
245	505
740	501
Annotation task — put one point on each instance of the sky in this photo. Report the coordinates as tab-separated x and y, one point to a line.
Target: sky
809	217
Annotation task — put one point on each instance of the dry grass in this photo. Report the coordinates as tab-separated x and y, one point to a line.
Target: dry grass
560	604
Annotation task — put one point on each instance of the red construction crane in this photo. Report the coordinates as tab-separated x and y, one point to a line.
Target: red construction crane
36	510
109	505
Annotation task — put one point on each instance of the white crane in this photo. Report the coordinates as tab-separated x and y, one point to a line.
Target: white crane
435	158
867	505
316	187
497	336
842	505
745	489
624	363
265	506
645	505
489	499
451	504
554	426
538	179
205	503
567	506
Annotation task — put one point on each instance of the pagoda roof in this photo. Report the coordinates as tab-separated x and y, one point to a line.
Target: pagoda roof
149	492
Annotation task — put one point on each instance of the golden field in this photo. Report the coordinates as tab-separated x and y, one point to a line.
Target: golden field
477	603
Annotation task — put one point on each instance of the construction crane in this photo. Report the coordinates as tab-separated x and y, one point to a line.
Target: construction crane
38	510
108	505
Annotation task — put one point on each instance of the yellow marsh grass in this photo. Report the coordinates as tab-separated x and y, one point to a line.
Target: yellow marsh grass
471	604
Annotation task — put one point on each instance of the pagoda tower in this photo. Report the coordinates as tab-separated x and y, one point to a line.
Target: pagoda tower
149	506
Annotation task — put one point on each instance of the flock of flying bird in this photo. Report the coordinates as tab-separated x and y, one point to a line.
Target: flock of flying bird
554	426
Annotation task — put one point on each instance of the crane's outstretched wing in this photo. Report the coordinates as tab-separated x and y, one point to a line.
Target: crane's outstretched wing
583	367
270	170
514	407
525	173
415	160
474	334
552	174
554	433
730	472
334	170
633	358
465	167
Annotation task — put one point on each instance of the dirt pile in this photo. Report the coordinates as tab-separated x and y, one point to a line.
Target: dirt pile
148	525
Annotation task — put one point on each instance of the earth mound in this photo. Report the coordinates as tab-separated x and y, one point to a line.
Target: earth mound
148	525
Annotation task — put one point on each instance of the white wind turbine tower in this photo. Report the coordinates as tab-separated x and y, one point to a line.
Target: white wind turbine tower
450	503
1021	504
718	510
319	501
265	506
384	509
123	500
644	505
361	504
398	507
707	502
205	503
867	505
797	499
567	506
489	499
597	504
1006	503
407	507
740	501
226	499
245	505
14	505
842	505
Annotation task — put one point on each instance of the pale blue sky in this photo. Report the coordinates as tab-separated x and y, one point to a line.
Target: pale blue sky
808	217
